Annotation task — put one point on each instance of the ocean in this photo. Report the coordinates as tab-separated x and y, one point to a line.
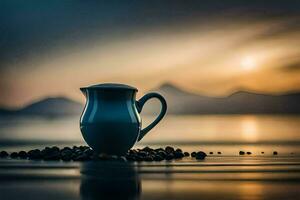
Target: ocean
227	175
226	133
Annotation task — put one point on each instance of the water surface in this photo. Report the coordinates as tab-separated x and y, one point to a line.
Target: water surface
226	133
220	176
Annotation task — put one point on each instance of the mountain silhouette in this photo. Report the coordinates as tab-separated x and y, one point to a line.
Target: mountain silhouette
241	102
50	107
179	102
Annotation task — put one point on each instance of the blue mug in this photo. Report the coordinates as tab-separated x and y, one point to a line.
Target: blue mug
110	122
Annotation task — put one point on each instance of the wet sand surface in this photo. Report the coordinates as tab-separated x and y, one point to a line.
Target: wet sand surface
216	177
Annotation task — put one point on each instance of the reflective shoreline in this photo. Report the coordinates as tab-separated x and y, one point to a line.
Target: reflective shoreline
222	177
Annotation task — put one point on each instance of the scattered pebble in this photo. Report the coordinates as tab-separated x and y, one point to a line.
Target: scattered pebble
148	158
169	156
23	154
193	154
200	155
169	149
178	154
85	153
158	158
3	154
35	154
178	150
186	154
14	155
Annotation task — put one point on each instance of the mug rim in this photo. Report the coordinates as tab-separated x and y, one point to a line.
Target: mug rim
110	86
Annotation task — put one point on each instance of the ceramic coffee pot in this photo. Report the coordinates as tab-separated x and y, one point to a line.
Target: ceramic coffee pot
111	122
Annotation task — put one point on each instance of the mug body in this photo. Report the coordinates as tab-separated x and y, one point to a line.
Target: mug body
110	122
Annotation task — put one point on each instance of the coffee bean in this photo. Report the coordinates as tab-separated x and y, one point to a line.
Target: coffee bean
3	154
43	152
139	158
211	153
81	157
219	152
88	151
75	147
152	153
158	158
23	154
142	153
81	148
242	153
186	154
52	155
178	154
14	155
77	151
147	149
163	154
66	157
262	152
49	150
74	155
85	153
275	153
34	154
200	155
249	153
169	149
66	149
132	151
159	149
66	152
148	158
169	156
54	148
178	150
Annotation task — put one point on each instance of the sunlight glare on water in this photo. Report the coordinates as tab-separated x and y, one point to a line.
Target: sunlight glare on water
172	129
249	129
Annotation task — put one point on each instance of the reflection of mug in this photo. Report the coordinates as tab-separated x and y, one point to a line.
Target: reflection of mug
109	179
110	122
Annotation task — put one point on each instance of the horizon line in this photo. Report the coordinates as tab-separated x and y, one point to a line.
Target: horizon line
241	90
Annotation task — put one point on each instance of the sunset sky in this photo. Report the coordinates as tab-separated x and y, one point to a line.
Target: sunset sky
208	47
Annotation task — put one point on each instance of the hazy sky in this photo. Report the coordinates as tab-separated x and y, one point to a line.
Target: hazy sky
51	48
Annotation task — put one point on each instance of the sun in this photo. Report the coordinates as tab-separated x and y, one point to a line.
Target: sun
248	63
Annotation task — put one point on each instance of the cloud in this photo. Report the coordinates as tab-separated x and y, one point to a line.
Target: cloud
292	67
198	46
35	28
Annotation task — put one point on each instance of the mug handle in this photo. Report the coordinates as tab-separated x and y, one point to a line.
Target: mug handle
140	103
